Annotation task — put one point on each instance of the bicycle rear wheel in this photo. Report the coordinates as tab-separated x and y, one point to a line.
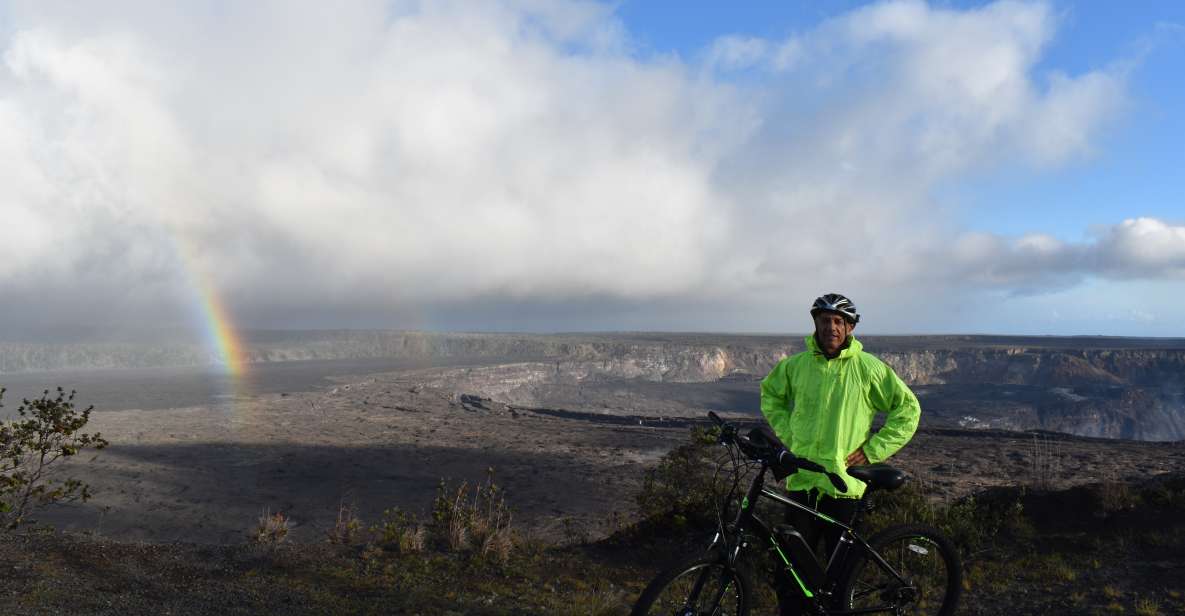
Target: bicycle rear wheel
700	587
923	556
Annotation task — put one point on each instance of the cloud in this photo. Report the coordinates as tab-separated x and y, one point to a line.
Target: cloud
1137	248
1142	247
335	165
734	52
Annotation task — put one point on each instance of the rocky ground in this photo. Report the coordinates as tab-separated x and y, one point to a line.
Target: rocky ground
380	441
178	491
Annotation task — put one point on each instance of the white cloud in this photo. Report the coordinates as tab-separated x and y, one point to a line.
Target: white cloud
734	52
358	159
1135	248
1143	247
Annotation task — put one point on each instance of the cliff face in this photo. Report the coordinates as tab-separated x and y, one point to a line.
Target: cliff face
1045	367
1129	388
671	358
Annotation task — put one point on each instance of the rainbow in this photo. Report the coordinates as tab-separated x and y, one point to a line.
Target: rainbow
221	332
218	327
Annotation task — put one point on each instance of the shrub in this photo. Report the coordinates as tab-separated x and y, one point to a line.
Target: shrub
1146	606
481	522
972	522
47	429
271	529
682	486
400	531
1116	495
346	528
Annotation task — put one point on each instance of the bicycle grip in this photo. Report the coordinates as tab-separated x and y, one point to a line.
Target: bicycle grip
836	480
715	418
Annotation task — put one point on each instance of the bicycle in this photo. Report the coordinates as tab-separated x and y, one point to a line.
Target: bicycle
903	569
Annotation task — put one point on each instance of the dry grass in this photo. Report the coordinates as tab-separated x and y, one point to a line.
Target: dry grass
413	540
1146	606
347	528
474	518
401	532
1117	495
271	529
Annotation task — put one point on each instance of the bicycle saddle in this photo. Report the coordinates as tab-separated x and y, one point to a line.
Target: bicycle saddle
878	476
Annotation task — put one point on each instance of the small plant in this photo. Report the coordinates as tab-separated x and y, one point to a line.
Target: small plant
401	531
481	522
271	529
574	532
450	516
682	486
347	528
491	520
1117	495
1147	606
972	523
413	540
1060	570
617	522
47	430
371	558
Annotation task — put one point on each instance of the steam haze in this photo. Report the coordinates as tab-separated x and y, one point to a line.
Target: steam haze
533	166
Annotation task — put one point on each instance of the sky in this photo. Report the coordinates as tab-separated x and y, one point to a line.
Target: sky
528	165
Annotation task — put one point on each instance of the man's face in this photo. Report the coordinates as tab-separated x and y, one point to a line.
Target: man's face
831	330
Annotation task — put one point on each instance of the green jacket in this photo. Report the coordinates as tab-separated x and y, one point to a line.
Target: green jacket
822	410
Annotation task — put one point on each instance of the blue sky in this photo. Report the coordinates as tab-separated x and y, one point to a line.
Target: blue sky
543	165
1136	168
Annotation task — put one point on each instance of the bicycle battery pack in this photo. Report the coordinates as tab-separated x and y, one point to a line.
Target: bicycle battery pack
806	564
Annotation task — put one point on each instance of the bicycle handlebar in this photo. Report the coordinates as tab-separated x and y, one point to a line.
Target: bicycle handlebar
773	454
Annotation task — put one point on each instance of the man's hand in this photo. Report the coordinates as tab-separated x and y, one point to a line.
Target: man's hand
857	458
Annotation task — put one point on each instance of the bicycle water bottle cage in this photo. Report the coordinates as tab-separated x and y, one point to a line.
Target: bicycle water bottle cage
879	476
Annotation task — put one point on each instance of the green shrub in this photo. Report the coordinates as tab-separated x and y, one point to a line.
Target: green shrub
47	429
973	523
682	486
346	528
400	531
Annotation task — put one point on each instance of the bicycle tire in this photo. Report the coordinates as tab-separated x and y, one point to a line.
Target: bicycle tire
922	555
726	592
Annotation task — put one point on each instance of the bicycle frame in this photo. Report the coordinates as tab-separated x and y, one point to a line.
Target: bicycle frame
747	523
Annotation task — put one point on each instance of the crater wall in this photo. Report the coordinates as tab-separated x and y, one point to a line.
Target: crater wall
1113	387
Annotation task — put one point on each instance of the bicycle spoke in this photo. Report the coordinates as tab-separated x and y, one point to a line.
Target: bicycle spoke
925	571
704	590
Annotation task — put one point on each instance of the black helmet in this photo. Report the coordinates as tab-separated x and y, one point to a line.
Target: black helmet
834	302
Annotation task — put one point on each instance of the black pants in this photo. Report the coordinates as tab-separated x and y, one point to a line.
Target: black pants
813	529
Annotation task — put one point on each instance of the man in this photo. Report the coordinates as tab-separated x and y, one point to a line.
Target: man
821	403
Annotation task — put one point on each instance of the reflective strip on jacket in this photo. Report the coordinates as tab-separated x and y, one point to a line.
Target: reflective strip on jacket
822	410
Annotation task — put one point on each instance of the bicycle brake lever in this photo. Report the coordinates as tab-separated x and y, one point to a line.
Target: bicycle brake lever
838	482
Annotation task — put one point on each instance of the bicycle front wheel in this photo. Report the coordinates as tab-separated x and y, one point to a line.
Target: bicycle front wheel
927	563
700	587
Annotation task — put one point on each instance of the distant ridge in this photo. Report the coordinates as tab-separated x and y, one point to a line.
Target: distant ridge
295	345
